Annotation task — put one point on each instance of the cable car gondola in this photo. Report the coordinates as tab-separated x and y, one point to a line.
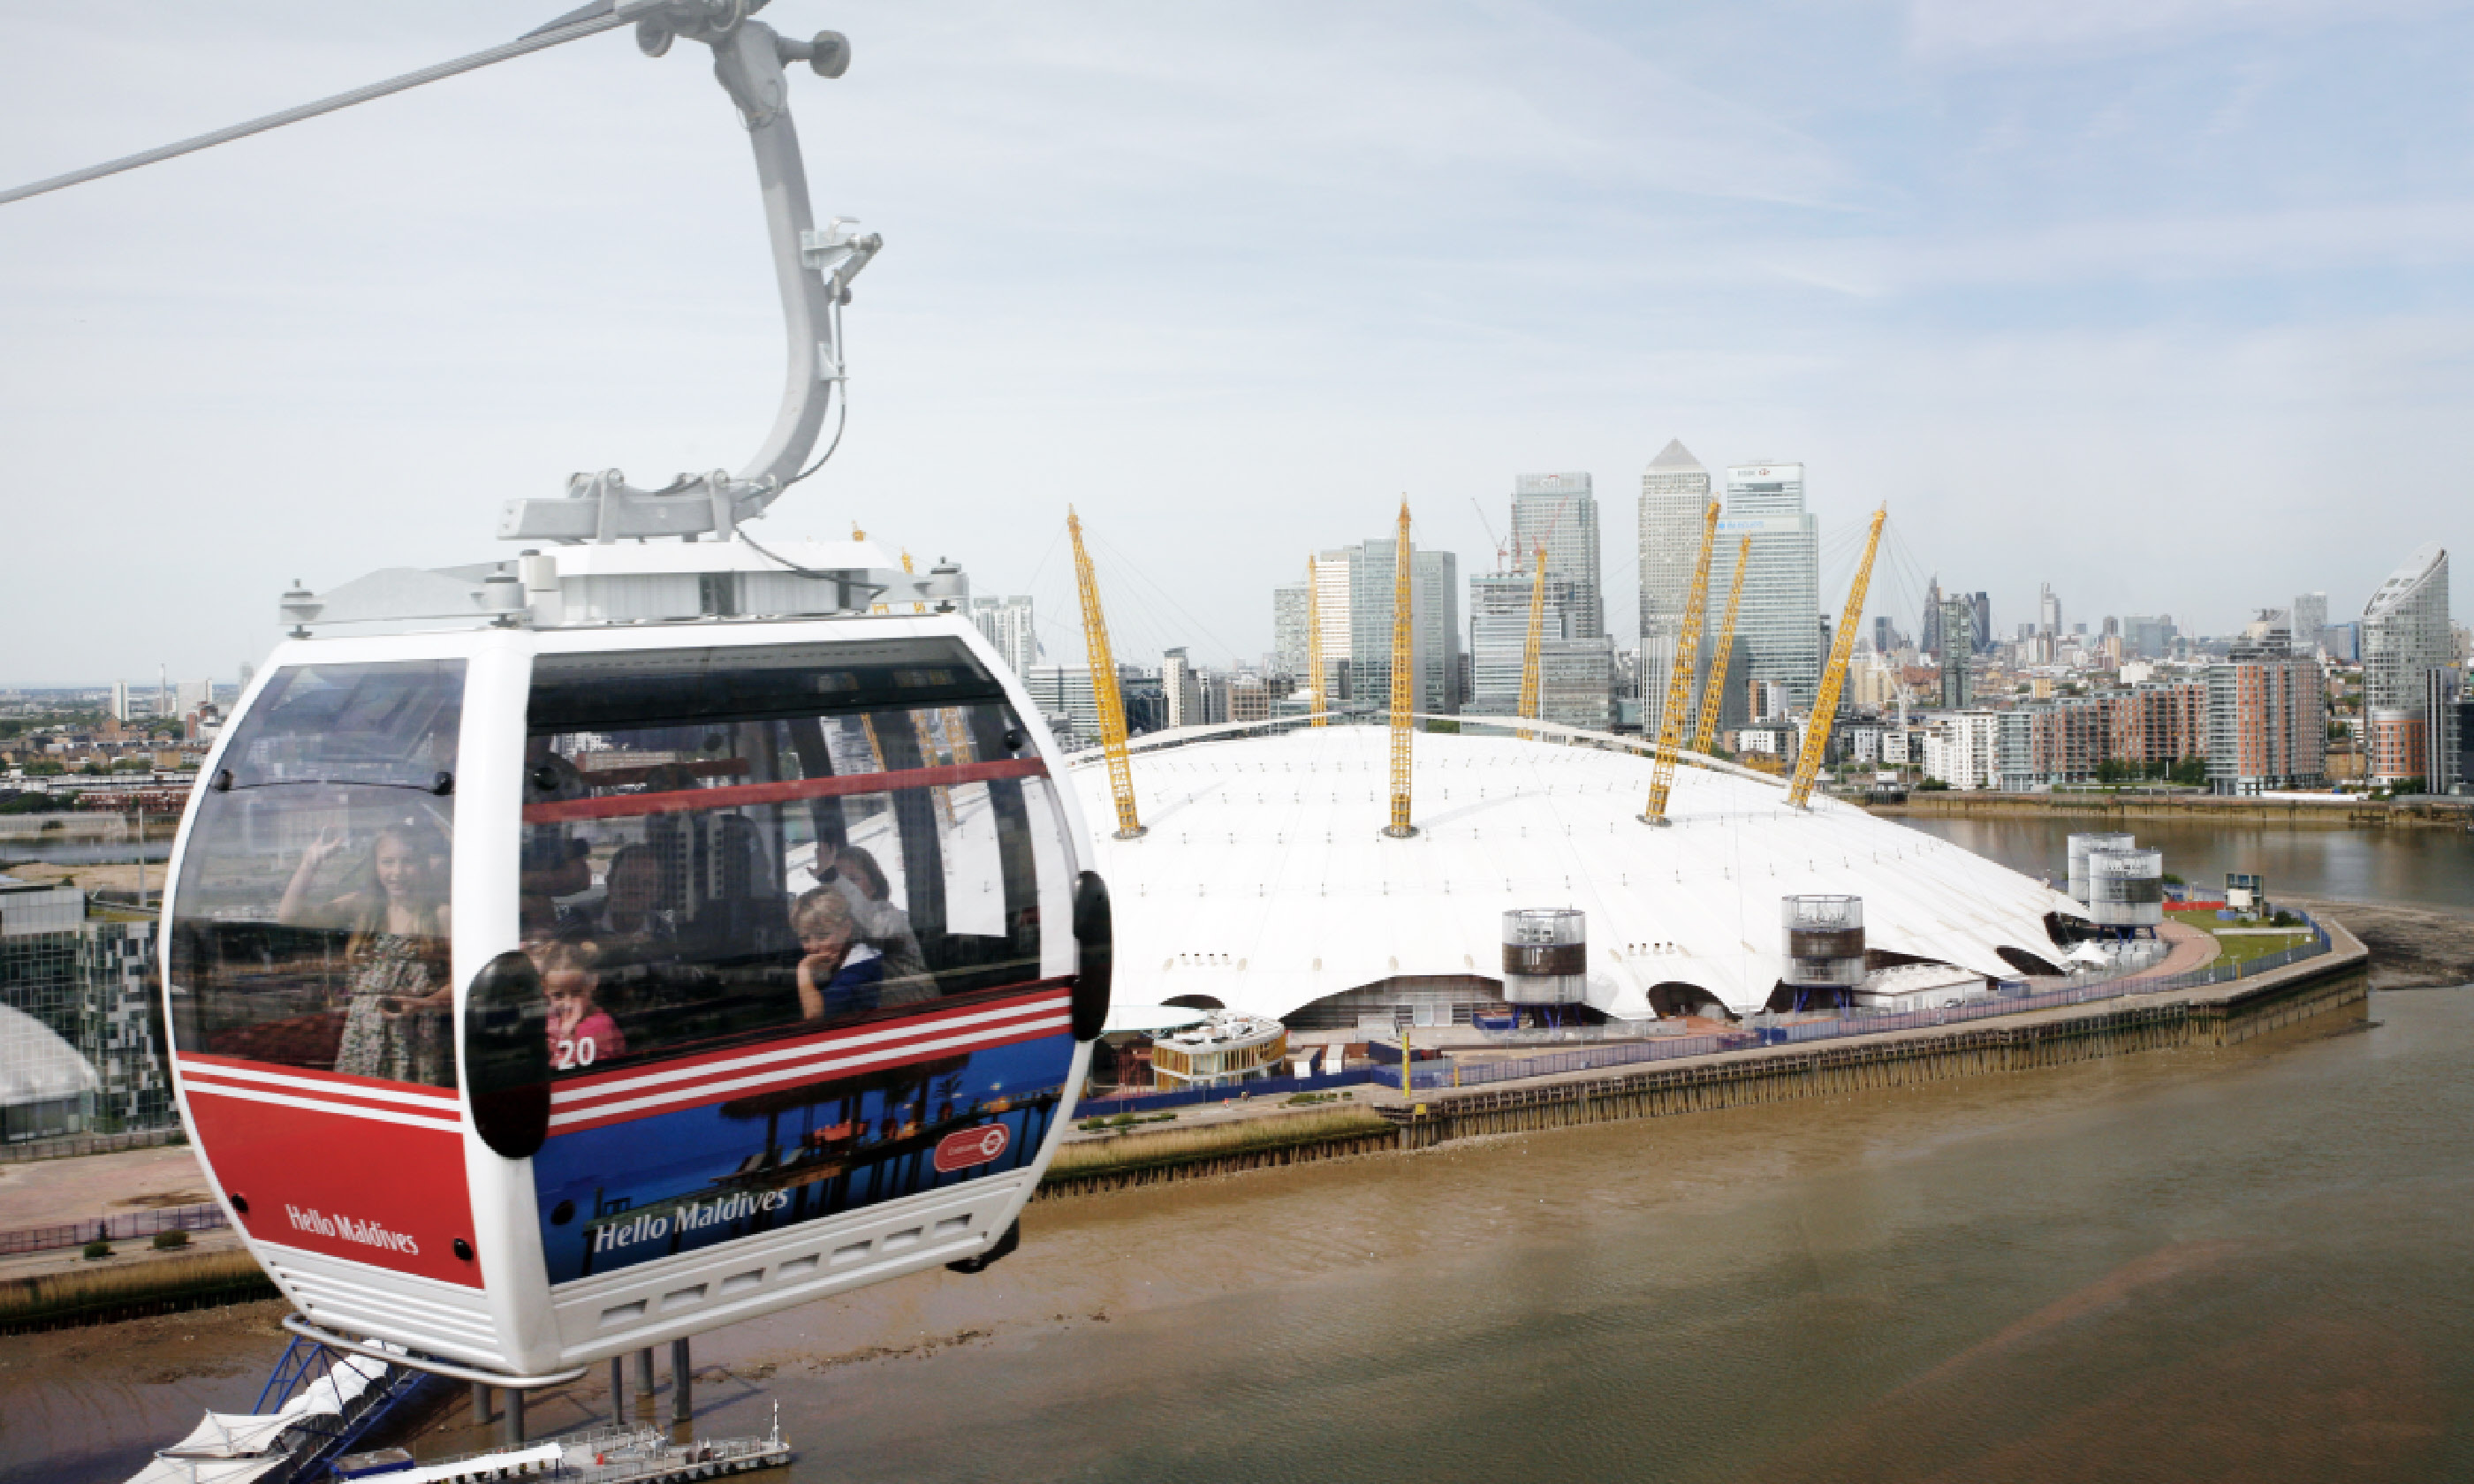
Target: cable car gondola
581	950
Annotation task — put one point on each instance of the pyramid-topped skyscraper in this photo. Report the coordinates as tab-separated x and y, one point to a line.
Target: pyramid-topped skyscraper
1674	492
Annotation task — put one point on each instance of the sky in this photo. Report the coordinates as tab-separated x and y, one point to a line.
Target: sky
2166	303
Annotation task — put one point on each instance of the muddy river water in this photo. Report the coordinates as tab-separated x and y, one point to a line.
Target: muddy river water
2237	1265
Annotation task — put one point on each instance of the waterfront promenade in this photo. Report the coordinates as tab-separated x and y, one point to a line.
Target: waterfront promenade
2326	987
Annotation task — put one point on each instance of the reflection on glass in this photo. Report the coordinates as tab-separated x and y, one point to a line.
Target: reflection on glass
741	845
395	992
310	923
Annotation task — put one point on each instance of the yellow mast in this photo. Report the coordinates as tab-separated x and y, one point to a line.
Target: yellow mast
1104	686
1314	645
1529	661
1842	647
1679	677
1403	656
1713	694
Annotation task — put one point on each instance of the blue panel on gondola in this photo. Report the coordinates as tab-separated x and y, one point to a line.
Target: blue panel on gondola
702	1168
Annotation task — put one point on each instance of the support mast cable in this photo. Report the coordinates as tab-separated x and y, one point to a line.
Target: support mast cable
1842	646
1105	695
1679	677
1403	656
1530	661
1714	691
1314	703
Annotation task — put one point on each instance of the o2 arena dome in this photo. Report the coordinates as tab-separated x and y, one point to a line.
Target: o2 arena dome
1265	883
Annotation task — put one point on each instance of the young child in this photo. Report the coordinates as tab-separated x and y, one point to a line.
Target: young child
838	974
581	1032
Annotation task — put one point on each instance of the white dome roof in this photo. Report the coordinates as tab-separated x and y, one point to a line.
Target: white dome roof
36	1066
1265	883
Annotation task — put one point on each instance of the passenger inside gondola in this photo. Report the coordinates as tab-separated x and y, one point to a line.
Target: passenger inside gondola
395	993
806	836
882	926
629	915
581	1032
311	922
837	974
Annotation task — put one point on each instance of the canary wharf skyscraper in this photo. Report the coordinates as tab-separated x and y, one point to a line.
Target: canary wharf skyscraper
1560	512
1781	619
1674	493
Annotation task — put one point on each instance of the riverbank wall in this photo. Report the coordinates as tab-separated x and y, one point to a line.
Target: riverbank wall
2418	813
109	1294
2327	987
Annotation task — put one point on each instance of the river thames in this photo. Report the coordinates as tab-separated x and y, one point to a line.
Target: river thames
2241	1265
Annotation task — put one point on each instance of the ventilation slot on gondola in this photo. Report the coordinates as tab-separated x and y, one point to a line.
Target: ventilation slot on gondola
683	1297
617	1315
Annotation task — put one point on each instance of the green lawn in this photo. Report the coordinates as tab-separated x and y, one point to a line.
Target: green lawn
2241	947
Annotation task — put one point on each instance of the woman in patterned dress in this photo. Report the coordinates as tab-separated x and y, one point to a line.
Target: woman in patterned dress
396	992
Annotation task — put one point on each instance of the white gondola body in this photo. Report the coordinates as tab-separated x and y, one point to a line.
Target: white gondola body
707	1178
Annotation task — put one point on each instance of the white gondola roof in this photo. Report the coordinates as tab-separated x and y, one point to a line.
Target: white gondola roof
1265	883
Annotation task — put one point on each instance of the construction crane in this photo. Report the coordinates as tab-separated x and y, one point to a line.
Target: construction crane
1500	550
1529	661
1403	657
1713	694
1314	645
1105	695
1842	647
1679	677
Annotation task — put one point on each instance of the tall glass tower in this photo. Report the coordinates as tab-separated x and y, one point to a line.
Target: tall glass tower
1781	619
1561	512
1674	492
1434	625
2406	636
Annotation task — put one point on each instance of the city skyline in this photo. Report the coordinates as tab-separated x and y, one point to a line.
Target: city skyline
1975	304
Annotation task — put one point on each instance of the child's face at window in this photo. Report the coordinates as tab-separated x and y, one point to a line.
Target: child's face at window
399	866
569	991
823	937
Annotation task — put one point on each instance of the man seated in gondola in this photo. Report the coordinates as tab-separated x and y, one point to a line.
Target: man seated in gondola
837	974
629	915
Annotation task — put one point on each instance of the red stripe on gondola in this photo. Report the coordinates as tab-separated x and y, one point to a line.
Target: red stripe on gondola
794	1067
337	1083
281	1095
1037	1019
1040	994
731	795
690	1098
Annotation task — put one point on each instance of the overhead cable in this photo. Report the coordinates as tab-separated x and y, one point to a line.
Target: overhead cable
522	45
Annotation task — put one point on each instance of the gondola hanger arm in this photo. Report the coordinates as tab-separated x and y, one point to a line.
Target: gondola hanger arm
812	268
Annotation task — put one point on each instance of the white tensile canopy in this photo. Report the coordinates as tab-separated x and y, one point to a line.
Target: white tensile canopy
1265	882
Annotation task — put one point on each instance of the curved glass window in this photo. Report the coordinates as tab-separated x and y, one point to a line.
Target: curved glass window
310	923
724	845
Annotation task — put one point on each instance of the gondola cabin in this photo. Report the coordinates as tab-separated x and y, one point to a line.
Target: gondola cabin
541	993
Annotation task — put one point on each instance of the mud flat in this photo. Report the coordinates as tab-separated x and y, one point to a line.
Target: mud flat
2411	947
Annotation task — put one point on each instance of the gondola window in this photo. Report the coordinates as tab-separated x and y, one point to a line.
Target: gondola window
721	845
311	918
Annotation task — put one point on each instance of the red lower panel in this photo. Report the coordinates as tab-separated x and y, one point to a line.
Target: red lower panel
386	1194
